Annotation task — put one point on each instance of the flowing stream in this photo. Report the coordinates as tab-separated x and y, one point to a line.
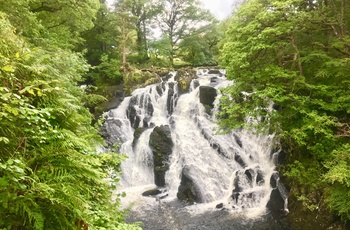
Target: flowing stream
203	180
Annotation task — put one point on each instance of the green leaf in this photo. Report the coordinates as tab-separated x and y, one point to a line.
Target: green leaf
8	68
5	140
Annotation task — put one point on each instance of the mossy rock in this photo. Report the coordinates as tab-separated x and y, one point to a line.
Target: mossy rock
184	78
135	78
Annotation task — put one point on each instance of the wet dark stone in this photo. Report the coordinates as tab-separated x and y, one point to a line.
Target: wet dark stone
214	81
159	90
215	146
259	177
132	113
149	107
276	204
238	140
171	99
172	122
273	179
282	156
164	196
151	192
207	95
146	121
214	71
276	106
237	190
206	134
240	161
112	132
188	190
195	83
161	145
249	173
235	196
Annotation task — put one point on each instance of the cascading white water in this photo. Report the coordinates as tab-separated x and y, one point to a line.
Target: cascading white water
233	170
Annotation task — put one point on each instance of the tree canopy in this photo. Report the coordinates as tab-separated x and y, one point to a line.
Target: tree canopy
290	63
50	174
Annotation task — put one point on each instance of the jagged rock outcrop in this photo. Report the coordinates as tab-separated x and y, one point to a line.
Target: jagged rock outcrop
188	190
171	99
278	195
207	95
161	145
112	131
133	111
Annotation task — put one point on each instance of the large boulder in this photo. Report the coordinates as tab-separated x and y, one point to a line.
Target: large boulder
161	144
207	95
278	197
188	191
276	204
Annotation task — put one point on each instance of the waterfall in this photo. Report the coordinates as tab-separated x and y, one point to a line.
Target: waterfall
174	153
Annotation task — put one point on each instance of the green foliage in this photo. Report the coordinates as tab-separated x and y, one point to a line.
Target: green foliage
179	20
108	71
142	14
135	78
104	38
50	175
201	47
159	51
275	60
339	176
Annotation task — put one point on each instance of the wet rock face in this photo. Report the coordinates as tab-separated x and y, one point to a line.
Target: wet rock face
207	95
188	190
276	204
112	132
161	145
274	180
133	111
278	196
171	99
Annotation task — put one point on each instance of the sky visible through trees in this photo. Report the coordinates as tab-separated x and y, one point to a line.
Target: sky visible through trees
220	8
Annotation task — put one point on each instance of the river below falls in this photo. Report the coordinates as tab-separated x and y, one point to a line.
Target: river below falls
174	215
